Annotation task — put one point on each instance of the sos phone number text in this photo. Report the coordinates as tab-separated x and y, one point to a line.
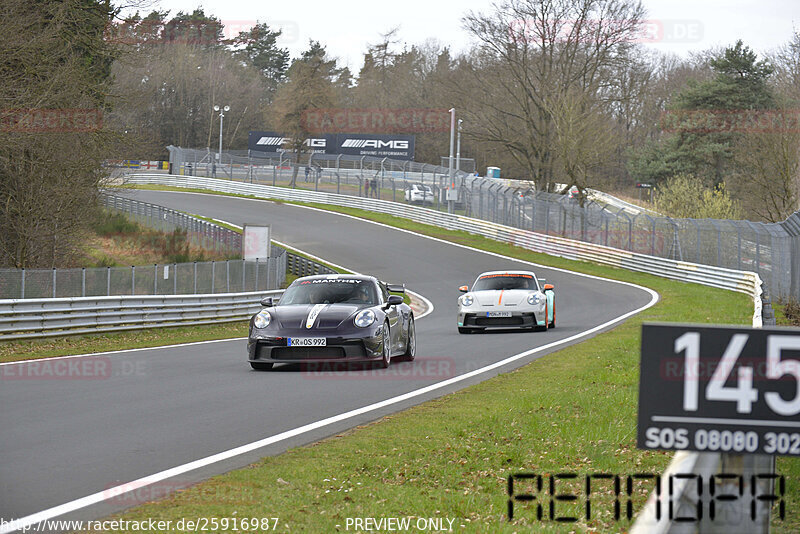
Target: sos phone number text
744	441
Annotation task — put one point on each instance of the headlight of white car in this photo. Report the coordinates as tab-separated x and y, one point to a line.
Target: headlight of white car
467	300
262	319
534	299
365	318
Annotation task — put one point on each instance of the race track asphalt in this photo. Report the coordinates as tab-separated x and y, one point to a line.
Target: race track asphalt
154	409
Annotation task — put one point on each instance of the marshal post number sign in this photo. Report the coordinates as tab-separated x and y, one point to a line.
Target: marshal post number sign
720	389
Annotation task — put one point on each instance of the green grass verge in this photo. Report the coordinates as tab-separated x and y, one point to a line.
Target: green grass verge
11	351
573	410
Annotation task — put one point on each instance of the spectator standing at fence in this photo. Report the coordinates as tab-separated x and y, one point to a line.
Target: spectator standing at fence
374	183
308	171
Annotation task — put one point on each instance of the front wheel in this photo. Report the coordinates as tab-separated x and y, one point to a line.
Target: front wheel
411	342
387	348
546	314
261	366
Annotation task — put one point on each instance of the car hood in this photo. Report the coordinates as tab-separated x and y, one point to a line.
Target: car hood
502	297
314	315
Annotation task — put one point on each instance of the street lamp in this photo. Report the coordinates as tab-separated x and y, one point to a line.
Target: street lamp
451	203
222	112
458	146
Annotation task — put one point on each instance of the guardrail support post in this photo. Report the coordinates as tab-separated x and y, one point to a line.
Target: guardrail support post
195	278
83	281
108	281
54	282
22	285
133	279
155	279
174	278
213	274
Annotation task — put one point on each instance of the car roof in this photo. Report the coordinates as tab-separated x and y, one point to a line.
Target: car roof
489	273
363	277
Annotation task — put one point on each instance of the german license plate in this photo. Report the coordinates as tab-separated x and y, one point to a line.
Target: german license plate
306	342
498	314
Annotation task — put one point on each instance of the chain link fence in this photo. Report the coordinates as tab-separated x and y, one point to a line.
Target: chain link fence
199	233
770	249
195	278
208	277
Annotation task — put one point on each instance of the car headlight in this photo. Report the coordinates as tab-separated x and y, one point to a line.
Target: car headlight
467	300
262	319
365	318
534	299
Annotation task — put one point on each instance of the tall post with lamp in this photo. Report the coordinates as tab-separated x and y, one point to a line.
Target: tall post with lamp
222	112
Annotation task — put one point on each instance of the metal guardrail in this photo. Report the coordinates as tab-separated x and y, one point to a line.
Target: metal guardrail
770	249
37	318
301	266
742	281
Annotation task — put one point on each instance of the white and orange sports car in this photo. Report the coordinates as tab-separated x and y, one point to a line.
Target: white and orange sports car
506	299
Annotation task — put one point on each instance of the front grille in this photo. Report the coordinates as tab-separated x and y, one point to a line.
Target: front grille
498	321
307	353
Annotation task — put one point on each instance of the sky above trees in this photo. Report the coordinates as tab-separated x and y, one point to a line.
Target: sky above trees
346	29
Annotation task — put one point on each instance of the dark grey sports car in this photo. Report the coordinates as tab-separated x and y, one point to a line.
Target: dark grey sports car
333	318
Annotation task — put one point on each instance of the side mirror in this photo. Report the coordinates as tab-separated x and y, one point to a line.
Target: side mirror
464	289
549	287
266	302
394	300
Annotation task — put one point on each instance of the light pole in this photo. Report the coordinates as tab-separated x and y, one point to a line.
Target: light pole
222	112
451	185
458	146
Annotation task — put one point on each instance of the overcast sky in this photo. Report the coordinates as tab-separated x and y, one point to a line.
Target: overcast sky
347	27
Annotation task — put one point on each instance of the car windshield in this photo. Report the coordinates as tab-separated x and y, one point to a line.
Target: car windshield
323	291
505	281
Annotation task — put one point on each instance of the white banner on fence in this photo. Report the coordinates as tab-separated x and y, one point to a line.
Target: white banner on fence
255	242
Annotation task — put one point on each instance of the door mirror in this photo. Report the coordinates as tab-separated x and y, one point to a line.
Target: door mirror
394	300
266	302
548	287
464	289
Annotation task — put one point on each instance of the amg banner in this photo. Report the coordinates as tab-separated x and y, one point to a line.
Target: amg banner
377	145
275	142
382	146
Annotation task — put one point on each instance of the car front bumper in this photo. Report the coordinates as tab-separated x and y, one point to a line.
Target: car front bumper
348	348
479	320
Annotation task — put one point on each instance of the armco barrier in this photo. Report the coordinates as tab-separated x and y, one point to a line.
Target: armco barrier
29	318
741	281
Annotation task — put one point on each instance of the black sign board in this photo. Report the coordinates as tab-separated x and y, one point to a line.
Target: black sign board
720	389
641	185
381	146
274	142
394	146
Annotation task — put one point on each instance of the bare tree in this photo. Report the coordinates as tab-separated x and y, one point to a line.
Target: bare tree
310	84
533	50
